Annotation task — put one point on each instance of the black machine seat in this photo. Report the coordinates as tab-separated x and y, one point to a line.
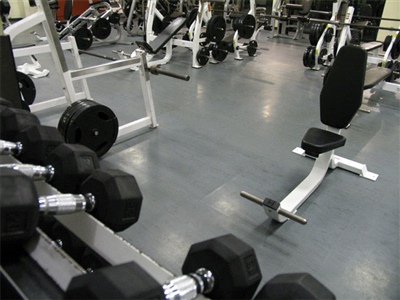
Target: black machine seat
342	93
163	37
375	75
317	141
340	99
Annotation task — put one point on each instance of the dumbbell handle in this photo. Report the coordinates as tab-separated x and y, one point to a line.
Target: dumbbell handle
32	171
280	210
66	203
187	287
10	148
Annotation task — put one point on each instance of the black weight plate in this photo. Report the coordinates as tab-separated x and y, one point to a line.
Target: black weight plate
114	18
218	53
191	17
101	28
84	38
311	57
206	42
66	118
26	87
93	125
313	35
386	43
328	35
305	57
246	26
202	56
125	25
252	48
216	28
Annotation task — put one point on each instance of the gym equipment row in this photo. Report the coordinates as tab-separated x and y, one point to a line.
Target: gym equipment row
71	236
341	97
161	31
95	22
106	135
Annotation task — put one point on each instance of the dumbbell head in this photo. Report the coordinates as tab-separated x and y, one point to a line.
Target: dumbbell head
72	163
19	206
13	120
225	257
294	286
126	281
118	198
233	264
38	141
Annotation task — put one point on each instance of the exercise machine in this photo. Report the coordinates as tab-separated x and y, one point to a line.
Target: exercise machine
341	97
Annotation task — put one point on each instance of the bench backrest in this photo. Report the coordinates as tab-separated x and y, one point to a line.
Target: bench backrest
342	93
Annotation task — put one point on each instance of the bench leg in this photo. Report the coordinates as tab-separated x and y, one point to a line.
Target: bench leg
352	166
346	164
300	194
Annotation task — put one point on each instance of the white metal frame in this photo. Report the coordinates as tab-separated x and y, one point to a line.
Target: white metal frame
55	48
325	161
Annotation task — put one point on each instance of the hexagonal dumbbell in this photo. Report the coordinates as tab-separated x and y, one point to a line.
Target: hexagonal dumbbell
38	141
21	205
13	120
73	164
117	194
221	268
294	286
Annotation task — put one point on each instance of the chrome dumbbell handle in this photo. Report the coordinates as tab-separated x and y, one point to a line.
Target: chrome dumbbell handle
10	148
278	208
32	171
187	287
66	203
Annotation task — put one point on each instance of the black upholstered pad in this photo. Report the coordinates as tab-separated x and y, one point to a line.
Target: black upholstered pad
342	93
317	141
163	37
375	75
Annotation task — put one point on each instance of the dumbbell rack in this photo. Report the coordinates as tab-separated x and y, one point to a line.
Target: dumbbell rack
55	48
60	267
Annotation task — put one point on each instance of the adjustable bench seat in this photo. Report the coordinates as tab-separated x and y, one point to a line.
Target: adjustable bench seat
317	141
371	46
375	75
159	42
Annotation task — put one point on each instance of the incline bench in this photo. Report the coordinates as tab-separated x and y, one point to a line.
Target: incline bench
375	75
159	42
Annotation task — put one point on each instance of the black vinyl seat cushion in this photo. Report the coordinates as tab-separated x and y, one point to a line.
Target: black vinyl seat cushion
317	141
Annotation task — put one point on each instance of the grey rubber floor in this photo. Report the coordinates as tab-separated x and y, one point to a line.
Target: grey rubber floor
232	127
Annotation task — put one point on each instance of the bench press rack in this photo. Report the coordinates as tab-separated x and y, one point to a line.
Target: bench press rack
55	47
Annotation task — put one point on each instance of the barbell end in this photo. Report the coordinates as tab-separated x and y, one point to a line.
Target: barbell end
252	198
292	216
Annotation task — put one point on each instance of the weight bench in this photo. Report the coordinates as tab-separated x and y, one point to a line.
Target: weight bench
375	75
340	99
162	39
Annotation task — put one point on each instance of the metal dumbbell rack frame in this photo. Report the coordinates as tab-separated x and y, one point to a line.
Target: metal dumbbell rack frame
67	77
60	266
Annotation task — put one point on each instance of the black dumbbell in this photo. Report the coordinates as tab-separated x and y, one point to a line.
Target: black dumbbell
117	194
73	164
13	120
221	268
21	205
294	286
38	141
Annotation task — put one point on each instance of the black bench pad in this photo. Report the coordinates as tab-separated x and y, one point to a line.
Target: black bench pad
371	46
168	33
375	75
317	141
